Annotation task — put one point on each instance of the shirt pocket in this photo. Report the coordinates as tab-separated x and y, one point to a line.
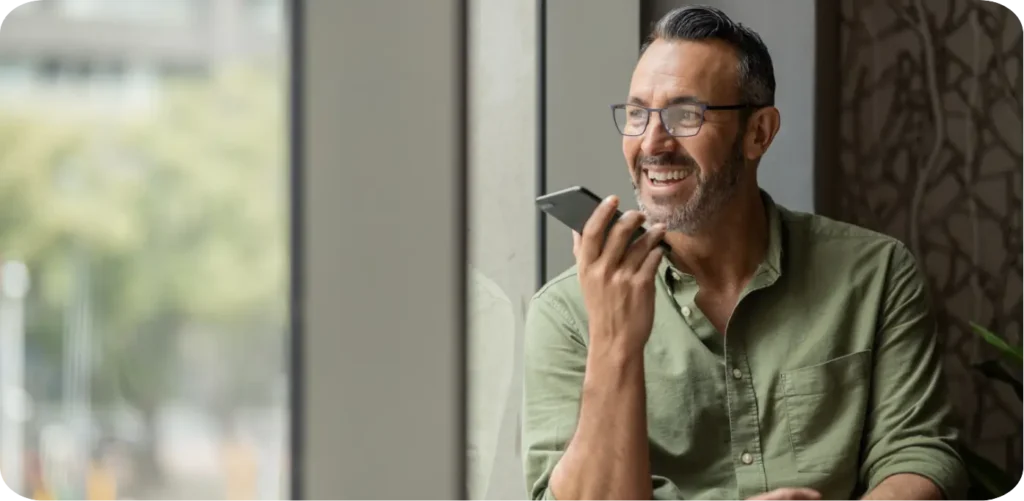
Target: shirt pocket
825	409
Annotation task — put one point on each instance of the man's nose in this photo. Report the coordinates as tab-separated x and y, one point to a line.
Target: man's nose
656	139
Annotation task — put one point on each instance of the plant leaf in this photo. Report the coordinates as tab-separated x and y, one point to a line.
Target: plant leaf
992	369
1011	353
986	475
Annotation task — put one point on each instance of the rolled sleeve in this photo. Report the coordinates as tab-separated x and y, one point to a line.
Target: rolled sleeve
554	363
909	427
945	472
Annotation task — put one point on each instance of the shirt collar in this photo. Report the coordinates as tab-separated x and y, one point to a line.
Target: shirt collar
771	267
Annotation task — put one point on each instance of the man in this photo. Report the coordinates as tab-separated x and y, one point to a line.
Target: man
771	355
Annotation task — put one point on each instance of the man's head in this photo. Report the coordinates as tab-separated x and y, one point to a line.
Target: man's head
694	63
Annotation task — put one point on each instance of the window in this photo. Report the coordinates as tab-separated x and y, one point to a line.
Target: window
143	261
178	12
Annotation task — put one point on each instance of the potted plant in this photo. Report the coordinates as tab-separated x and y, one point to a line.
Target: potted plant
987	480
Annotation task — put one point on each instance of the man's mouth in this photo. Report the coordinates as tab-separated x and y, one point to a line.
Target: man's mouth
665	177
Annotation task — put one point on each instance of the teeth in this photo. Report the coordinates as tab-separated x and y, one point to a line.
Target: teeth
665	176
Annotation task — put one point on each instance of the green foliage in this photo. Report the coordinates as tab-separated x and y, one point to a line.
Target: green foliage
180	214
988	480
1012	354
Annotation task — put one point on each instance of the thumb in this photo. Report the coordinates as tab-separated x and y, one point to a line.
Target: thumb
576	239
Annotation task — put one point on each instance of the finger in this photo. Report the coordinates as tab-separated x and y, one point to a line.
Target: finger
576	245
592	240
638	251
789	493
802	493
621	236
651	262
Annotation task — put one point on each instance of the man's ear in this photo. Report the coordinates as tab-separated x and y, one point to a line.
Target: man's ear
762	126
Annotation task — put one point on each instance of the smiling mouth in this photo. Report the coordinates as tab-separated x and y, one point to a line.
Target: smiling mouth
665	177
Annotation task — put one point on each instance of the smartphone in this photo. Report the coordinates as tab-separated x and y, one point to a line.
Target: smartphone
573	207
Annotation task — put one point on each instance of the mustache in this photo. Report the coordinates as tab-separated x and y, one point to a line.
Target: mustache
673	159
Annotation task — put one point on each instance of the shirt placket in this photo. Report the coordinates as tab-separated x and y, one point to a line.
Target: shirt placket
744	425
744	428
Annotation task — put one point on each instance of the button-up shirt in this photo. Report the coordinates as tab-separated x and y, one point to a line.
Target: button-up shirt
829	376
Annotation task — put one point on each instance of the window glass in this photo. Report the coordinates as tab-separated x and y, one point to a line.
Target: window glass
143	251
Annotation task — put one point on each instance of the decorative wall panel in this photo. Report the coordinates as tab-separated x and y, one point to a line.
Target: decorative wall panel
930	152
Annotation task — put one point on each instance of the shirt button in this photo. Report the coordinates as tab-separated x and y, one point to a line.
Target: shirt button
738	374
686	311
747	458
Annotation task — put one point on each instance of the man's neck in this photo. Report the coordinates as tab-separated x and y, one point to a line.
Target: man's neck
725	255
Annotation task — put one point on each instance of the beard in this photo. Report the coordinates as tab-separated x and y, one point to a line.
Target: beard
712	192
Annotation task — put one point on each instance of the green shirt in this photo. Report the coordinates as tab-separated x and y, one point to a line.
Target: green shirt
829	377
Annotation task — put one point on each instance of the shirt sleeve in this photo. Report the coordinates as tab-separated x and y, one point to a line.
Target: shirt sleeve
909	428
554	363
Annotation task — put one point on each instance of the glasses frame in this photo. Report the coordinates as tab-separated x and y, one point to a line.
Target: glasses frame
704	107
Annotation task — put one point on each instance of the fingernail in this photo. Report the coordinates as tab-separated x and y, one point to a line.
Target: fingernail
609	199
658	227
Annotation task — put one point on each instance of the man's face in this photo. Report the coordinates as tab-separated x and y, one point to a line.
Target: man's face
698	174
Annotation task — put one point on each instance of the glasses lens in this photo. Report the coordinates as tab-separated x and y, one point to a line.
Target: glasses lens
683	119
631	120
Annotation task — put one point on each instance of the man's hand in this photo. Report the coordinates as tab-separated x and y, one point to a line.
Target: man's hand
608	456
617	278
789	493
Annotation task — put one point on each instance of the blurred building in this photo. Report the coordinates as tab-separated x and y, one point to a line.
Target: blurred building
114	52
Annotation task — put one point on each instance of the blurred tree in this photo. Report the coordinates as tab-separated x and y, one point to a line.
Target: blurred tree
181	216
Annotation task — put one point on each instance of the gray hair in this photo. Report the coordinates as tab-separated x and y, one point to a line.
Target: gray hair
695	23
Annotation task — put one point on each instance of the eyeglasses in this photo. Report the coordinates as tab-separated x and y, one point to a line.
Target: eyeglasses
679	120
